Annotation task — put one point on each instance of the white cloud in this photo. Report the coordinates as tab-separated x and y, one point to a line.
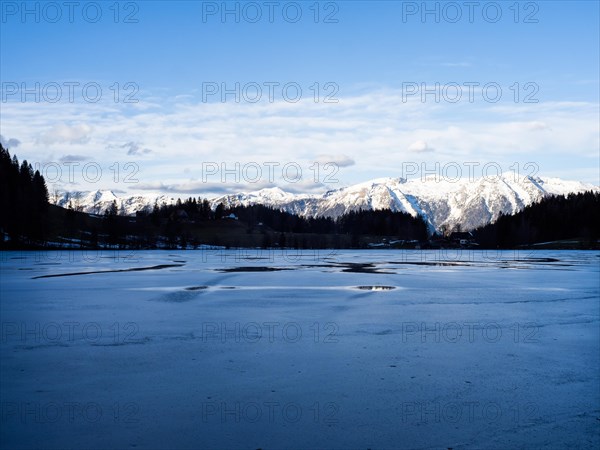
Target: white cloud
419	146
65	134
537	126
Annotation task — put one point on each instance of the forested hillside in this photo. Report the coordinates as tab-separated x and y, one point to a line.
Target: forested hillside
552	219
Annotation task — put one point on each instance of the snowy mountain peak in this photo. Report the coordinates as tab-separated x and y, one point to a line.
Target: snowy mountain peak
272	192
103	196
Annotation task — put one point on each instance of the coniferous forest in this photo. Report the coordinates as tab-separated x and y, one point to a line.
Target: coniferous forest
23	200
553	219
29	221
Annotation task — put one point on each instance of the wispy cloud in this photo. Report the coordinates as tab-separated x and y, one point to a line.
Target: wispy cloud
73	158
66	134
135	149
338	160
200	187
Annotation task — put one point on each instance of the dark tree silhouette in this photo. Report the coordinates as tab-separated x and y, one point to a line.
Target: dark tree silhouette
23	201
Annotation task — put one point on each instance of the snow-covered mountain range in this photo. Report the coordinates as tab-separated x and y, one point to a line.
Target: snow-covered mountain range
96	202
443	203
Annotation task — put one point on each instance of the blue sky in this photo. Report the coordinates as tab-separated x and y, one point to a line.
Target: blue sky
368	58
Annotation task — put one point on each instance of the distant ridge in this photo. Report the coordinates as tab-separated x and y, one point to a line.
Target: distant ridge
464	204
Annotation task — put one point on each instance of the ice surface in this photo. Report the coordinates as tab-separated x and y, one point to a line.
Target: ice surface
204	350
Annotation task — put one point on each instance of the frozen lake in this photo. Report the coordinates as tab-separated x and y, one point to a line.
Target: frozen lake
259	349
